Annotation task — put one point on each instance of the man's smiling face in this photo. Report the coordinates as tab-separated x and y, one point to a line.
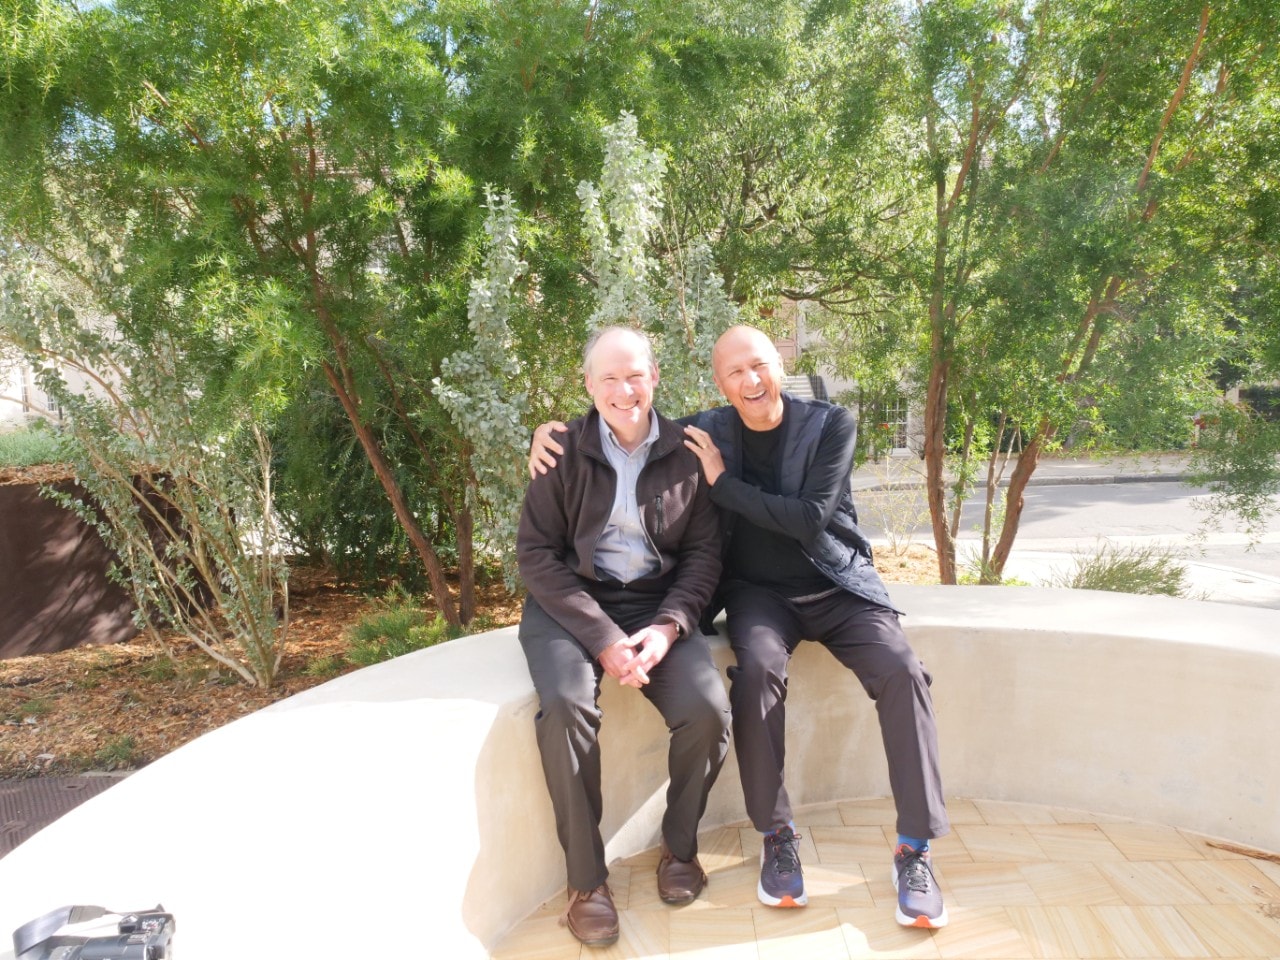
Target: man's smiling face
748	372
620	379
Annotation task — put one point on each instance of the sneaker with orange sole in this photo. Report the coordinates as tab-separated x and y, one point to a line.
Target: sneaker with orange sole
781	878
919	899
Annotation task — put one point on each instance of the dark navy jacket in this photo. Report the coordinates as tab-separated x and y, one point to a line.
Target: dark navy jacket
816	504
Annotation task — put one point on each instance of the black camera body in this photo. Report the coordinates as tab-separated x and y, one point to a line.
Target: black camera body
145	935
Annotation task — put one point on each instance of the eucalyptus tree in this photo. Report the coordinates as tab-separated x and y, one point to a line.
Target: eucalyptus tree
1070	236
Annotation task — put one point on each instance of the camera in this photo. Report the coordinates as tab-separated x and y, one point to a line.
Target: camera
145	935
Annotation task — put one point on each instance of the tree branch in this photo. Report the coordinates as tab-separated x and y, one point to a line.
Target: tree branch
1188	68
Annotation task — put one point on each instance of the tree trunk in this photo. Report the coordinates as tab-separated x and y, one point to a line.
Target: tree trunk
1026	466
464	531
988	573
935	458
408	522
456	504
935	408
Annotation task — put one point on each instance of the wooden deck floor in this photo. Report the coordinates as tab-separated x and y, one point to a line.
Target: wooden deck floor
1020	881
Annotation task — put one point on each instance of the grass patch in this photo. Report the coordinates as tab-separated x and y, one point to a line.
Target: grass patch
118	753
159	670
976	573
30	447
25	711
324	667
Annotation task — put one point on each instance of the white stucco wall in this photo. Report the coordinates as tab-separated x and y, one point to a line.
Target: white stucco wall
414	787
11	413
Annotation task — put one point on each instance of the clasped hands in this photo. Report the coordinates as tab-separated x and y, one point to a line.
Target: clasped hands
629	660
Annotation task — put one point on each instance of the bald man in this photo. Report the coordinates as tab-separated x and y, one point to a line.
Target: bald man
620	551
797	567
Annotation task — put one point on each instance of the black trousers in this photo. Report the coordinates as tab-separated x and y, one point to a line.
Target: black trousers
764	630
685	687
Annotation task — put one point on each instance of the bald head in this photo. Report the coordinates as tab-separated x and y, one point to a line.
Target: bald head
748	371
741	337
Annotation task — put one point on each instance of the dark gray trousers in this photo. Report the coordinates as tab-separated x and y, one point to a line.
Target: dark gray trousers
686	688
764	630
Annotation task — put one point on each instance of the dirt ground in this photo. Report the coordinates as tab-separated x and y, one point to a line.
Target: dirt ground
120	707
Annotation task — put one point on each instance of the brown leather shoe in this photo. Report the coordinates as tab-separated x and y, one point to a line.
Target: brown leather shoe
679	881
591	916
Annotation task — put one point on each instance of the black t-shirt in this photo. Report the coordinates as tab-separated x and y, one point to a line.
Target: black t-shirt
761	556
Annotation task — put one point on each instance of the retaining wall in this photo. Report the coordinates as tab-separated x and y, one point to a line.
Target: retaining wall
54	591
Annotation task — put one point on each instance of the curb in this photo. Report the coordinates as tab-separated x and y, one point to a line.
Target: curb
1043	481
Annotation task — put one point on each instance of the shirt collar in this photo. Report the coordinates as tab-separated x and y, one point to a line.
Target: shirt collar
610	441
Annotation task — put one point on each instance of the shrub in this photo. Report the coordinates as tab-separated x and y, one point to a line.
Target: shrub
400	625
186	508
1132	569
898	511
175	473
324	667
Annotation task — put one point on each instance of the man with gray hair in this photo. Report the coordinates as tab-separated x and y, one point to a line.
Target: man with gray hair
620	552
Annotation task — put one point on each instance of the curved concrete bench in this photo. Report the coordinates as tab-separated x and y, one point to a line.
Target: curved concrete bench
404	803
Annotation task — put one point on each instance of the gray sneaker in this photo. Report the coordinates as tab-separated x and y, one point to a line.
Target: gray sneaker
781	879
919	899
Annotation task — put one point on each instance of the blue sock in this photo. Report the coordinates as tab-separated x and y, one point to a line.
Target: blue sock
913	842
790	823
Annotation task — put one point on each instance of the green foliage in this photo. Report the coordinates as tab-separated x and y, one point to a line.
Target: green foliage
1127	569
324	667
29	447
687	313
174	480
159	669
1020	212
619	216
398	626
482	388
1066	236
977	574
331	505
1238	456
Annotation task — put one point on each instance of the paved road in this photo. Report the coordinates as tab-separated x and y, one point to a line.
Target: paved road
1077	518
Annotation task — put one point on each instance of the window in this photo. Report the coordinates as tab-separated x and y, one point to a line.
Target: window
892	420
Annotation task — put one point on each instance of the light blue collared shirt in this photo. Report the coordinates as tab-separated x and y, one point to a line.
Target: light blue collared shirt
623	551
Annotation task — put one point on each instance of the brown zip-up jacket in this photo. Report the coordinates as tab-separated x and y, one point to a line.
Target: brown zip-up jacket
565	512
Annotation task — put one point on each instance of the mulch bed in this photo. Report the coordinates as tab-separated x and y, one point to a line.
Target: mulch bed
48	473
122	706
